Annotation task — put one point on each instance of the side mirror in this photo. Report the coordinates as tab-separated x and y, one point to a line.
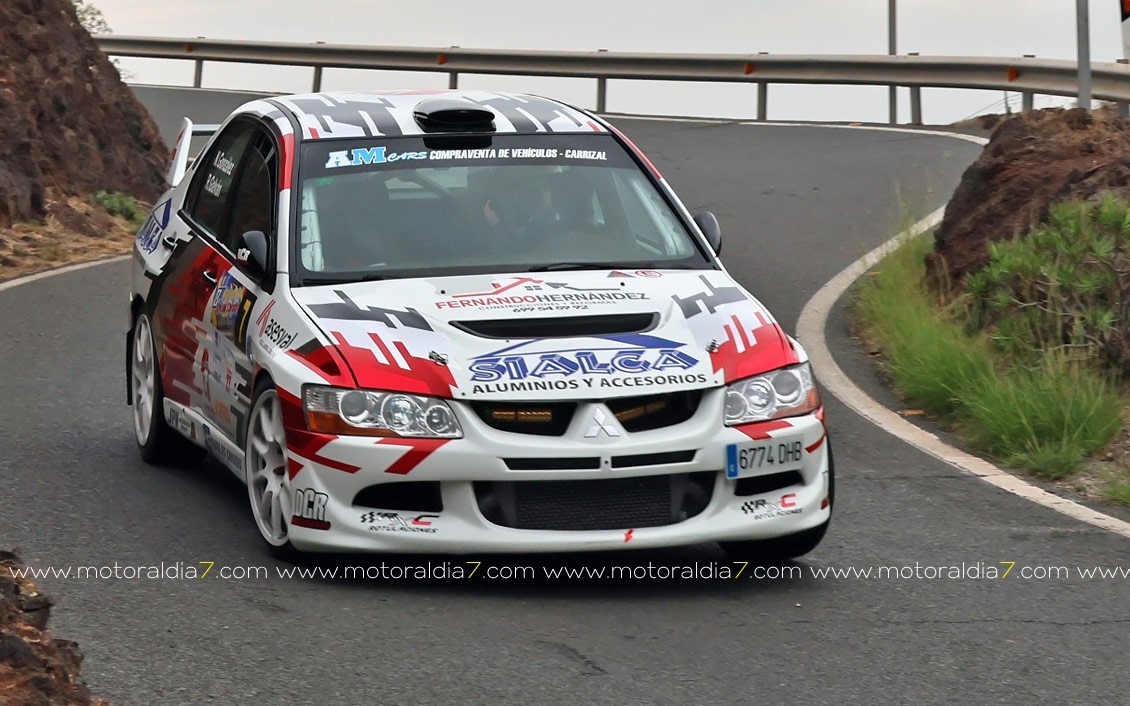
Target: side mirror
253	251
707	222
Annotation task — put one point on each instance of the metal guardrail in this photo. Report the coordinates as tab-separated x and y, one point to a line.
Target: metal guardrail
1028	75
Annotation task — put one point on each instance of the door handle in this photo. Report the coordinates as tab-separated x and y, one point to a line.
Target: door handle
170	242
209	276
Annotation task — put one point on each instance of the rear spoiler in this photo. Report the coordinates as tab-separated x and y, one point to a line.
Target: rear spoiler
178	165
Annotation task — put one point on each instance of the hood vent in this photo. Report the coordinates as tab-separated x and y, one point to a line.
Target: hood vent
559	326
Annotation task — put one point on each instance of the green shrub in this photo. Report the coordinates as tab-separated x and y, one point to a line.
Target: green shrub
1065	287
118	204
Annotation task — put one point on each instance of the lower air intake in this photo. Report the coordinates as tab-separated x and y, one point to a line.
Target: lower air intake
604	504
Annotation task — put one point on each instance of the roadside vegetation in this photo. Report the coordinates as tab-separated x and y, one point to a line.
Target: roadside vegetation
1025	358
121	205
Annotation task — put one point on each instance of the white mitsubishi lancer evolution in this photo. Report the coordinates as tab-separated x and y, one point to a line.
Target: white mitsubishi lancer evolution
456	321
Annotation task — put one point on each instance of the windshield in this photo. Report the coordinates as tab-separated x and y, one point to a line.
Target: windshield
404	207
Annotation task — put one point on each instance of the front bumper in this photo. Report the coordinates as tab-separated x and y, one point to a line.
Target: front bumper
336	469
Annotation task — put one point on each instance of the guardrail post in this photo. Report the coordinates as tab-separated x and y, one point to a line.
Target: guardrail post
1123	108
452	76
601	90
1027	98
317	79
762	96
198	74
893	50
915	102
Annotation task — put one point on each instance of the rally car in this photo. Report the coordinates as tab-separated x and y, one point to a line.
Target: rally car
461	321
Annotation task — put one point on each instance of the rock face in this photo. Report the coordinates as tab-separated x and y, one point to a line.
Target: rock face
35	668
1031	162
68	125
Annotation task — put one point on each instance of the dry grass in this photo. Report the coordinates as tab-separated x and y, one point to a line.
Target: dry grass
74	231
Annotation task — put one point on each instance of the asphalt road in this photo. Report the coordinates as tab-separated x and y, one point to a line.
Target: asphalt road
796	204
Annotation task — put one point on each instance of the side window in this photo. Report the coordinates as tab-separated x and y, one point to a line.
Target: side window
253	200
213	183
233	191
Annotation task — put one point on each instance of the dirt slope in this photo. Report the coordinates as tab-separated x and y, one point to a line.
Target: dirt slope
1031	162
68	127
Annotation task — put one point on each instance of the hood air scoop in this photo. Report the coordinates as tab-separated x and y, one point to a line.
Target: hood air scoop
452	115
559	326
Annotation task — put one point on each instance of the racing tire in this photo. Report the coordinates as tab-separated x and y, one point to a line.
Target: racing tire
265	472
790	546
158	443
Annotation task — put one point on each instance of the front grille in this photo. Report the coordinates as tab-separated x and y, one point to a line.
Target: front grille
560	326
542	418
655	411
604	504
556	463
659	459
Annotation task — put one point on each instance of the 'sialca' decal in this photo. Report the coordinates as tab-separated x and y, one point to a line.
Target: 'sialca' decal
150	234
628	360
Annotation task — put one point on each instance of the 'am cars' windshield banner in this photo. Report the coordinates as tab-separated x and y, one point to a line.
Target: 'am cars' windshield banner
421	153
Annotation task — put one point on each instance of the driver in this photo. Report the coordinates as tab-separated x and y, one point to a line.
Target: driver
519	210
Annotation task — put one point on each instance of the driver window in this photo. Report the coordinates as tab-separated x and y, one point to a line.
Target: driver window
253	201
233	191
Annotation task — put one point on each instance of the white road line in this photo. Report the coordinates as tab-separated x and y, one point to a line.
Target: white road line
12	283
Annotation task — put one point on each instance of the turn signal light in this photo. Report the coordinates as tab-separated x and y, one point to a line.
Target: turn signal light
329	423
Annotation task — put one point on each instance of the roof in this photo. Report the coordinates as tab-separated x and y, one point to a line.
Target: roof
389	114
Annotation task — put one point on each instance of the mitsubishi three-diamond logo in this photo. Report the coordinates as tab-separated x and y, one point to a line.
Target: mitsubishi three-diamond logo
601	424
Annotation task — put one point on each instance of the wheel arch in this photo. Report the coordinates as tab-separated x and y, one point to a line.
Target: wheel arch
261	379
136	305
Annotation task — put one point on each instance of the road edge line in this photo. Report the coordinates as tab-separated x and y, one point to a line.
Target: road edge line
28	279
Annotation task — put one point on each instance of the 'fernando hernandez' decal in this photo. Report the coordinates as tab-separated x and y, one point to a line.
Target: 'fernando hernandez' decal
525	294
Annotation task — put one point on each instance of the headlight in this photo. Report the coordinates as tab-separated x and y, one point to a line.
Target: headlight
787	392
371	413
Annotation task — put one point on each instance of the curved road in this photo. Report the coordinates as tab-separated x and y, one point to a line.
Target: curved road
797	204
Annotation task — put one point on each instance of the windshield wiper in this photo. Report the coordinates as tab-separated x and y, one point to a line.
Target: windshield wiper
560	266
318	281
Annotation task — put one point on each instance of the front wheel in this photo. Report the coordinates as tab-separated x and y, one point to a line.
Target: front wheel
265	468
791	546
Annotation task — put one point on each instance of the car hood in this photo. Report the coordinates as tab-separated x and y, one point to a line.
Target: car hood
571	335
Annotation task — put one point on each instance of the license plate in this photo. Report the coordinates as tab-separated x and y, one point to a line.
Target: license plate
758	457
